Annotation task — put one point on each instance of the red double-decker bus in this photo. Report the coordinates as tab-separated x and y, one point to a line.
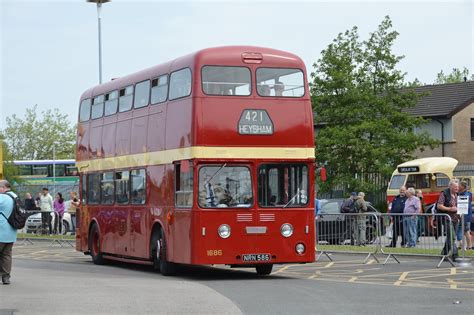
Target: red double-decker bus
206	159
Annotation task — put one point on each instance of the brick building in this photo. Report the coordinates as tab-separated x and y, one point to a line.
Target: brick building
449	109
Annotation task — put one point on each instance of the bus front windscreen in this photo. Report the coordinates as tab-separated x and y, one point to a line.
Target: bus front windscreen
283	185
397	182
222	186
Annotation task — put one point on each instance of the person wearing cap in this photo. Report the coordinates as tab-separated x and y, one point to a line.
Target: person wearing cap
348	206
398	205
361	207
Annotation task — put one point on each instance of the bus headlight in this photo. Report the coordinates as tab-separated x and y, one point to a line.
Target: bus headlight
300	248
224	231
286	230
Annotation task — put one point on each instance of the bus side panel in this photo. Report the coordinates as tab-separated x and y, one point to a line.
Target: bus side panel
139	240
181	229
178	124
122	140
108	133
139	131
156	128
82	149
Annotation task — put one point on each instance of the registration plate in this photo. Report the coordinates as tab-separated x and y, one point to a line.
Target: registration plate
256	257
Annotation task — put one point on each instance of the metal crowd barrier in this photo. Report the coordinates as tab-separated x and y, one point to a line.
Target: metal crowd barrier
348	233
430	235
374	233
42	234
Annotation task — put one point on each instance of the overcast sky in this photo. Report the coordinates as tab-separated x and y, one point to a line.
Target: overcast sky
49	49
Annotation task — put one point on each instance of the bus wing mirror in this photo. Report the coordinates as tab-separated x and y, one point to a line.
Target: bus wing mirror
322	174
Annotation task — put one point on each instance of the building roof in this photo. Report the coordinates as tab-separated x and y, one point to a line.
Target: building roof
443	99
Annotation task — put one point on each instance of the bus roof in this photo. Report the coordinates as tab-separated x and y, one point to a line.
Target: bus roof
213	55
428	165
43	162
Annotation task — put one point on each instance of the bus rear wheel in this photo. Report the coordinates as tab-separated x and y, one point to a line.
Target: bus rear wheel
94	246
159	252
265	269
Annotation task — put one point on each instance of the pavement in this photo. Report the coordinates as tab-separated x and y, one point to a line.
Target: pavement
49	279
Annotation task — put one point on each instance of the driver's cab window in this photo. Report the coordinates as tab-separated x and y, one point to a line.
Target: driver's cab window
223	186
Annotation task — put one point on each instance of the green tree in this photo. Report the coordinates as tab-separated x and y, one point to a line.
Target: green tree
454	77
359	96
36	136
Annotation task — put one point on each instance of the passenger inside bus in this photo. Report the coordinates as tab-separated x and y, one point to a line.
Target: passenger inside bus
264	90
279	88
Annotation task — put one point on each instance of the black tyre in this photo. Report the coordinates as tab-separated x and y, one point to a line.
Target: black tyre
94	246
154	245
264	270
159	252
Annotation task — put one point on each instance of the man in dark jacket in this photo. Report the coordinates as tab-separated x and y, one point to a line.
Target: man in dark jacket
398	204
29	202
448	203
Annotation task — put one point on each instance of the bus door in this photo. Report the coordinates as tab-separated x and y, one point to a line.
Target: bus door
181	218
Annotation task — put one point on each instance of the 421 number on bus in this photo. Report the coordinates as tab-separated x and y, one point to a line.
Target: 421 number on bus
255	122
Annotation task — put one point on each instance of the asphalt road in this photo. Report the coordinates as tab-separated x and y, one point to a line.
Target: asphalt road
53	280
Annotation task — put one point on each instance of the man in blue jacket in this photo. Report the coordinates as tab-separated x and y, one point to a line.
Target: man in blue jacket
398	204
7	232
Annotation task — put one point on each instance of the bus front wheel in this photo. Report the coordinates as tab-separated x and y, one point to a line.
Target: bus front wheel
264	269
159	252
94	246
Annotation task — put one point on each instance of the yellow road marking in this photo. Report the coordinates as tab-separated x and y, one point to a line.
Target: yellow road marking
283	269
453	284
453	271
353	279
400	280
329	264
370	262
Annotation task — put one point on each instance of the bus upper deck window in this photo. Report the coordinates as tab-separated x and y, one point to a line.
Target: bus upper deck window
279	82
85	110
126	99
97	107
180	84
159	89
111	102
142	94
220	80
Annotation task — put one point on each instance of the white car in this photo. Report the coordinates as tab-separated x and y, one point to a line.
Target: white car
33	223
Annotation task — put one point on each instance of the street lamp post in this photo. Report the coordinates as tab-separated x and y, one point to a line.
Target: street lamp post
99	7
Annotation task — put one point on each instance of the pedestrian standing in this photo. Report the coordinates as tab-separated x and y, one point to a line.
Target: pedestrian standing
361	207
29	203
46	205
59	208
7	232
72	209
466	229
348	206
447	203
398	205
421	221
412	208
